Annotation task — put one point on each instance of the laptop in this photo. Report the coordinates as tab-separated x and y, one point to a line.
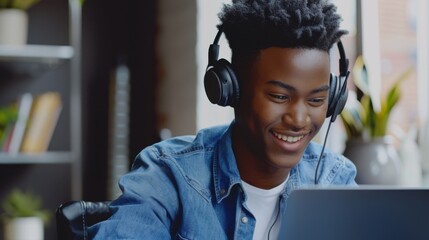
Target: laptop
364	213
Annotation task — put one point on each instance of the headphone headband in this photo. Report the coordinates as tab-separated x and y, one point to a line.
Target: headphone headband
214	49
214	54
344	61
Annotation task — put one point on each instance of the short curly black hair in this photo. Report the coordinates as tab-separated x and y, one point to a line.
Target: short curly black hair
252	25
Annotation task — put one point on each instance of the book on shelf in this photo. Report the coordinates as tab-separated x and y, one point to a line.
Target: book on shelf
6	137
8	116
27	125
43	119
24	107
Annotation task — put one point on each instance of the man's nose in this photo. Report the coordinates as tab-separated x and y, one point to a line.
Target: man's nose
297	115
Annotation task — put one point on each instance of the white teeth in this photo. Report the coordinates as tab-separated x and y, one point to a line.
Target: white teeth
289	139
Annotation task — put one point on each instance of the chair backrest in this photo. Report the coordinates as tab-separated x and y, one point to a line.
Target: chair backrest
73	218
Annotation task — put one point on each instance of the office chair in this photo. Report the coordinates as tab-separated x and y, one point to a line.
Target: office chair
74	217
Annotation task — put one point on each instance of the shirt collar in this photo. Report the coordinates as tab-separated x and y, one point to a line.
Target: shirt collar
226	173
225	169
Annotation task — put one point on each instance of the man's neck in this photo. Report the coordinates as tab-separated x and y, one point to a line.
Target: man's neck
254	171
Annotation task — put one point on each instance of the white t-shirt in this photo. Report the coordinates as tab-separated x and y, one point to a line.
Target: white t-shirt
264	205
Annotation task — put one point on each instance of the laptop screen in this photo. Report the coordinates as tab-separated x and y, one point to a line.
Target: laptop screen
357	213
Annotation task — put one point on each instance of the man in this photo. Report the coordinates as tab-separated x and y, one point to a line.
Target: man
232	182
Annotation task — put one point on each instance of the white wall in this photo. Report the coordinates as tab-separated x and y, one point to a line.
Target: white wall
186	29
177	37
209	114
423	58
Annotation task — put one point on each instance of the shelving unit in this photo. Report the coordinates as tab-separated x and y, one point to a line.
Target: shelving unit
35	53
36	68
32	60
51	157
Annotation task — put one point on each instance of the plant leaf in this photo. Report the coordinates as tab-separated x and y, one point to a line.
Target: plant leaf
360	76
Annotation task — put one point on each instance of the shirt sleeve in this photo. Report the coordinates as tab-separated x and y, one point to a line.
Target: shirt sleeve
347	173
148	204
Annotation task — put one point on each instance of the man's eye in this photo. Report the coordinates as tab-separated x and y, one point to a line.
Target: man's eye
279	97
317	101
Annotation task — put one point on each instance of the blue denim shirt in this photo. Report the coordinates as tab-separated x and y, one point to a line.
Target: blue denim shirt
190	188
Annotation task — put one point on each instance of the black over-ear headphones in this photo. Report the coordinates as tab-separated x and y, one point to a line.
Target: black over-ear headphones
222	88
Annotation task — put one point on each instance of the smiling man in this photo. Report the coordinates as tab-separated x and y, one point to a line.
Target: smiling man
233	182
283	105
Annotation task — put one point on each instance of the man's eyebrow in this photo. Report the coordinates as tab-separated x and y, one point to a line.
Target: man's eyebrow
292	89
323	88
282	85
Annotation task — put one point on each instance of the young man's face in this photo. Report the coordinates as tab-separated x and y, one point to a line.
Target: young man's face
283	104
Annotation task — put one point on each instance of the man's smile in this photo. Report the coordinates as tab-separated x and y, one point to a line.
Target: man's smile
289	139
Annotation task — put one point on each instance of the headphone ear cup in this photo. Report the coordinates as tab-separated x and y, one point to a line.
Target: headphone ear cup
342	99
235	98
338	92
333	85
221	85
338	99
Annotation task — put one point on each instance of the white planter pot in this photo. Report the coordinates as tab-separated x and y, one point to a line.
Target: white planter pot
25	228
13	27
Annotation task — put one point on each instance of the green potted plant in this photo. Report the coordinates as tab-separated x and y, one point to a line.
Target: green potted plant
23	216
369	145
360	118
14	21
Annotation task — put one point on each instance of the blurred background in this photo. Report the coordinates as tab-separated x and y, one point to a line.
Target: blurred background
130	73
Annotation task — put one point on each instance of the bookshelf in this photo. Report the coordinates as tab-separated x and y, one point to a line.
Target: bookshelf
52	157
49	62
32	60
35	53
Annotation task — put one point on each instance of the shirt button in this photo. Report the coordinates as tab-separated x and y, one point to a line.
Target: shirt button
244	219
222	191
